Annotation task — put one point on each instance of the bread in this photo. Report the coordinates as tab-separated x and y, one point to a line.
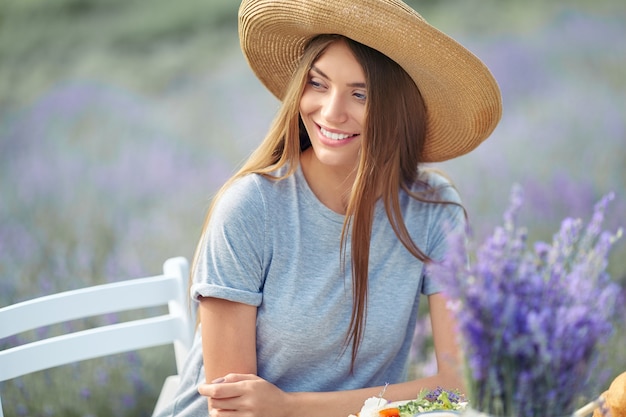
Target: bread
615	398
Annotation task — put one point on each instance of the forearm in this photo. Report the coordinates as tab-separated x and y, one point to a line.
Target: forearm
250	394
228	331
329	404
344	403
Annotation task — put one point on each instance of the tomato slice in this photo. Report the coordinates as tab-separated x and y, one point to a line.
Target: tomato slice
389	412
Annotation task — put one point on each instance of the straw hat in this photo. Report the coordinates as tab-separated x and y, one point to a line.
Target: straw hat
462	98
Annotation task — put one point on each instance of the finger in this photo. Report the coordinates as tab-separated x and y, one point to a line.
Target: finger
227	404
236	378
219	390
227	386
223	388
223	413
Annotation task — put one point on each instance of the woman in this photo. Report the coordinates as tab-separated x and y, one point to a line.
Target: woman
312	259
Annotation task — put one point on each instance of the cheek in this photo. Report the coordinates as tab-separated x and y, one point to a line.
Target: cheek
361	115
306	104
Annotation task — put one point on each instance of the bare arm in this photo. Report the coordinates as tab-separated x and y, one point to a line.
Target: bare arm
447	349
228	337
229	352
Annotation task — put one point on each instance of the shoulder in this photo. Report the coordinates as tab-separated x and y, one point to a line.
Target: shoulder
249	195
241	193
434	184
436	210
435	205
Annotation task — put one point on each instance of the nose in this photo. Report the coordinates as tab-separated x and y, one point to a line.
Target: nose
334	108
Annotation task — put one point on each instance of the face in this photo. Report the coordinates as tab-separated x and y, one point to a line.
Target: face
332	107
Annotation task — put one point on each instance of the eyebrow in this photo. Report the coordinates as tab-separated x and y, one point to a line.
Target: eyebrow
320	72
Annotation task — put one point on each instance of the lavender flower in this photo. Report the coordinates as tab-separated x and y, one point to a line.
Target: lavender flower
531	320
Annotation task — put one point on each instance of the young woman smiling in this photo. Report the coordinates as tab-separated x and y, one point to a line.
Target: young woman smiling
332	109
311	264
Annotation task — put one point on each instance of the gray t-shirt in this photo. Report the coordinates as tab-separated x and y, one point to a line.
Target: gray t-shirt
274	245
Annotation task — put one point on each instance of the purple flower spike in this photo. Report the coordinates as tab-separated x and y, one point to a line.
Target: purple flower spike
531	320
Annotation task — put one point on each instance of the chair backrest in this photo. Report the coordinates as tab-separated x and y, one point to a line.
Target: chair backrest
176	327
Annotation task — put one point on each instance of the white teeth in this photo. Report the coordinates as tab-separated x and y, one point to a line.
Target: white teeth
334	136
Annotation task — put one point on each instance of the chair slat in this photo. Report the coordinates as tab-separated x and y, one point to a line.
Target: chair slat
168	289
102	341
87	302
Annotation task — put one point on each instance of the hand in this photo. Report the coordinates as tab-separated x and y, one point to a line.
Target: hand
244	395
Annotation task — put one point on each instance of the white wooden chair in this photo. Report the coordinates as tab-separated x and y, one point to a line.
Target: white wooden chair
176	327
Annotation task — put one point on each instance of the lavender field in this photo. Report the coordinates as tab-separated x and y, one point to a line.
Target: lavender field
119	120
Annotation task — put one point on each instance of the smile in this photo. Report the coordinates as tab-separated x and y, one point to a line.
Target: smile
336	136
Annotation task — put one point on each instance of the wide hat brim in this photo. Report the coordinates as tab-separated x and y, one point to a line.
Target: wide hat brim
462	98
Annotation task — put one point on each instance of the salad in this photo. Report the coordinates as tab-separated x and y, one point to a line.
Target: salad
438	399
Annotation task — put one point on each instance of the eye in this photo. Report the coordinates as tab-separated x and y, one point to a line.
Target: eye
360	95
315	83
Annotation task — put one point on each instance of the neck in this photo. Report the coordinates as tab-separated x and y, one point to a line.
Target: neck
332	185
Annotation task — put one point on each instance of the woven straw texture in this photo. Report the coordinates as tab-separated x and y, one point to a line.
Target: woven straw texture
462	98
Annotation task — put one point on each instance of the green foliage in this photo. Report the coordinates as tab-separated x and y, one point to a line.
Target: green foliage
41	40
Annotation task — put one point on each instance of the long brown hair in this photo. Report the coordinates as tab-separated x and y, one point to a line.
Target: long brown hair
392	146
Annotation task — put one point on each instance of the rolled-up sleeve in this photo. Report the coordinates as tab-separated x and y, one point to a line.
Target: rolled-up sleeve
231	256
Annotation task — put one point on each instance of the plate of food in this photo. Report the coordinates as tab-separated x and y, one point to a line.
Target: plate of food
433	403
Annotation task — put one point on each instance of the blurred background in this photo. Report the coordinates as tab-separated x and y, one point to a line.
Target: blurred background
120	118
